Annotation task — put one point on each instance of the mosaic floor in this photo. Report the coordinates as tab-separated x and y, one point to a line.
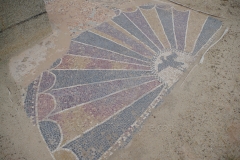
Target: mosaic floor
93	99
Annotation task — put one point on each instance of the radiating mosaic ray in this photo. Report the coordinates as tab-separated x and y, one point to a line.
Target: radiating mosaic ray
93	113
75	62
86	93
93	99
96	40
195	24
135	46
209	29
180	27
95	52
125	23
67	78
167	22
103	136
154	21
138	19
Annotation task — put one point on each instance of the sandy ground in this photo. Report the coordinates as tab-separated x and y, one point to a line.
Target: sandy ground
199	119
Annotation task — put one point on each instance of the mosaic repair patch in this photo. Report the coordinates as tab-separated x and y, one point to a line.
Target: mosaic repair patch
93	99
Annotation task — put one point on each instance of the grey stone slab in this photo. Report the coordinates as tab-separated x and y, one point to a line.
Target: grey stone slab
31	32
15	11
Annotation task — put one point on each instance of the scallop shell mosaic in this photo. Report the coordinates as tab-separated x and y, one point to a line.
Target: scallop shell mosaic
93	99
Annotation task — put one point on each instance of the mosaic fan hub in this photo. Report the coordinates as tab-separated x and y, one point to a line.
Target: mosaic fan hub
169	65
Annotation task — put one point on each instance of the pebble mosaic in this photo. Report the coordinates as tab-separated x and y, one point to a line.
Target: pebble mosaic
93	99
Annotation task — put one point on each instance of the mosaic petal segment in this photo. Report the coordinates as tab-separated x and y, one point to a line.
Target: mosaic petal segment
103	136
195	24
96	40
45	105
180	27
139	20
87	116
209	29
95	52
51	134
47	81
135	46
76	62
166	18
110	105
154	21
73	96
66	78
125	23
